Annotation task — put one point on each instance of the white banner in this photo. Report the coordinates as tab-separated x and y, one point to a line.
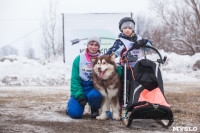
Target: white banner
78	27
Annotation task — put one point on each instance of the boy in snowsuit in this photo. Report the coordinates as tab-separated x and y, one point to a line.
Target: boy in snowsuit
126	40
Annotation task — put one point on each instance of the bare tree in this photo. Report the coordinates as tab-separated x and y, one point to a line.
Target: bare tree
140	25
146	28
29	50
143	27
51	36
31	53
183	23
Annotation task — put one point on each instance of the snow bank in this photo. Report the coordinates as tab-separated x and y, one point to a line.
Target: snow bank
15	70
178	68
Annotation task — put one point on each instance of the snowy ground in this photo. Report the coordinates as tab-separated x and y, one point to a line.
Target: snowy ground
22	71
33	96
42	109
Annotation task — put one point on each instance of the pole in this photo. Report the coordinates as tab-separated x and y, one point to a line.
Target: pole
63	29
124	117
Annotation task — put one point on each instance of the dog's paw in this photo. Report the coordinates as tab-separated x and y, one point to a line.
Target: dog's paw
101	117
116	117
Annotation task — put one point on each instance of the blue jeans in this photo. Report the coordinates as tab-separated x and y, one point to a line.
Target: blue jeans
75	110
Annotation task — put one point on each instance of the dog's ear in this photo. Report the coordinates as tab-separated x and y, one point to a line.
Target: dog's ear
93	59
112	56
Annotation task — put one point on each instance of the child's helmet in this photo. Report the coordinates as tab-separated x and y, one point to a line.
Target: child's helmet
125	19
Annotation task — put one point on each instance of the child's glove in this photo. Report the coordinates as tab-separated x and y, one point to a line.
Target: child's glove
140	43
82	101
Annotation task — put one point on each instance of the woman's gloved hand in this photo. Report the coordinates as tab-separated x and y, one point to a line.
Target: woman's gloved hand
82	101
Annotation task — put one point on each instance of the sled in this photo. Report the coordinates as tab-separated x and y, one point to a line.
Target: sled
143	97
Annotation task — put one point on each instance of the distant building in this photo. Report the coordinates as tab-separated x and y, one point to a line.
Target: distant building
8	50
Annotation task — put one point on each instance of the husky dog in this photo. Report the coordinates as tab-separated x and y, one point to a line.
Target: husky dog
107	81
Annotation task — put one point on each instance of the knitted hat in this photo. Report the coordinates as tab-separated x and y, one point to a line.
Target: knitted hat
94	38
129	24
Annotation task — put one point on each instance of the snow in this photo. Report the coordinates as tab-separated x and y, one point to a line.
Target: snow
178	68
16	70
38	90
34	103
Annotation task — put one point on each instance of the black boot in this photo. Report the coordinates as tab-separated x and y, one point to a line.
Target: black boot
94	113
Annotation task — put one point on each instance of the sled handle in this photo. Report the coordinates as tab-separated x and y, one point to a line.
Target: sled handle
161	60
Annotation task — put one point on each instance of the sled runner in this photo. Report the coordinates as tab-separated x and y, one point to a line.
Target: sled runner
144	96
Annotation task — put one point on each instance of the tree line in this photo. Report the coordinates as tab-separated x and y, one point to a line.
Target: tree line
175	27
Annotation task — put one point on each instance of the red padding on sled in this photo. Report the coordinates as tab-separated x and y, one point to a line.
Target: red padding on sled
155	96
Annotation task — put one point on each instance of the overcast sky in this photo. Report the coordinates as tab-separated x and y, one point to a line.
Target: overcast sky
34	8
21	17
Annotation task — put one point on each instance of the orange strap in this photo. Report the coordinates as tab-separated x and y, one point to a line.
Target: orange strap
128	66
